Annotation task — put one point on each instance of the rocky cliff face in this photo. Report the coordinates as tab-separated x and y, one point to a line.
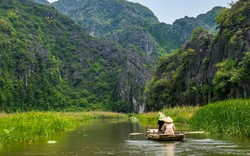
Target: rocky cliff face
207	67
135	75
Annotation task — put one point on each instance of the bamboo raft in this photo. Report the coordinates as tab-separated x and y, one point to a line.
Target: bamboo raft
153	134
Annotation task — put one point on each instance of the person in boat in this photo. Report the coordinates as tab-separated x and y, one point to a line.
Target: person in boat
168	128
161	121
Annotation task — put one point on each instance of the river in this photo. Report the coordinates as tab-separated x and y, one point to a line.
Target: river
111	137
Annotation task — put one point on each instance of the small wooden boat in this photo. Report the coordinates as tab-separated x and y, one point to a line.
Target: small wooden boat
153	134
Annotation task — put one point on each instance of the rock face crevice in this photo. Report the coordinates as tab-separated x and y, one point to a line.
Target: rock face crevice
130	86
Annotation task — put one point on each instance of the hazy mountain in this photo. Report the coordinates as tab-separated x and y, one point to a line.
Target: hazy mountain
42	1
120	19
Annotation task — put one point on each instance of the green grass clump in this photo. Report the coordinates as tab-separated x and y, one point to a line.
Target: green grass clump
149	118
230	117
86	116
181	114
27	127
178	114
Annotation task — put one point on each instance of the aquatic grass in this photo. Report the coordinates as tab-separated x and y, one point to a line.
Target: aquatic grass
87	116
78	116
149	118
27	127
108	115
181	114
178	114
3	114
230	117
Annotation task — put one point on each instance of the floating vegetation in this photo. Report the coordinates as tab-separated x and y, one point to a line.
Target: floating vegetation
51	142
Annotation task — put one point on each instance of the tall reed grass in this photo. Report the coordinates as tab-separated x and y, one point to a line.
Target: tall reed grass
86	116
178	114
230	117
27	127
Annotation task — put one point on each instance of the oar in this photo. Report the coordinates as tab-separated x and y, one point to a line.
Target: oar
140	133
195	132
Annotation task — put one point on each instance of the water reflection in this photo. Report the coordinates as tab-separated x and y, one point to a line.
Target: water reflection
170	149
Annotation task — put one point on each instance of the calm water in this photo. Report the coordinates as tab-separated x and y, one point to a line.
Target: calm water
109	137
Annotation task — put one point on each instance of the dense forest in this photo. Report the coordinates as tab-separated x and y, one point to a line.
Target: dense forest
47	62
208	67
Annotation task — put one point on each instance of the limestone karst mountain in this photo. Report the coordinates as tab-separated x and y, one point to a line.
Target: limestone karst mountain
208	67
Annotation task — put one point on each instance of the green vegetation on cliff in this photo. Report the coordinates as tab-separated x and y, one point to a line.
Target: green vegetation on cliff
208	67
49	63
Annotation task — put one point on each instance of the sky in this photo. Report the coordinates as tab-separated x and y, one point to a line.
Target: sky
168	11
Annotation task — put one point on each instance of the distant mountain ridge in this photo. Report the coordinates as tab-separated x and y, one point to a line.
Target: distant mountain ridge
103	17
42	1
119	19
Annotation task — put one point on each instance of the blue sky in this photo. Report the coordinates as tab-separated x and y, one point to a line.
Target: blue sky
168	11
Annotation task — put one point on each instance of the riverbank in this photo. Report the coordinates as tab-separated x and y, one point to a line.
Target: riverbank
178	114
229	117
29	126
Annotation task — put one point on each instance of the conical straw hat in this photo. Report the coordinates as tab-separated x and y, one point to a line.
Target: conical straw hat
168	119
